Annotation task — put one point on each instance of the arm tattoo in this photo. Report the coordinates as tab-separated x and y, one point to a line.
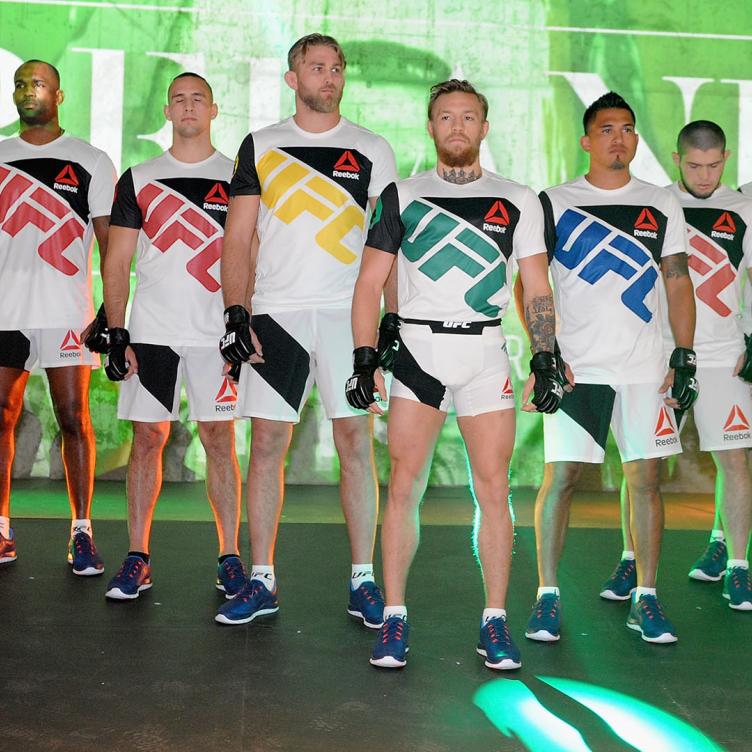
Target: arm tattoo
675	266
541	323
460	177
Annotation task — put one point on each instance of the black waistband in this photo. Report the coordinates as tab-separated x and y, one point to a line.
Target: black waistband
454	327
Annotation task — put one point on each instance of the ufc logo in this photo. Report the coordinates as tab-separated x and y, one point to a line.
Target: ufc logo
455	324
24	202
714	270
227	340
169	218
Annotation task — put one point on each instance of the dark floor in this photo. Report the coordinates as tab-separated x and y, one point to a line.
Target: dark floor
80	673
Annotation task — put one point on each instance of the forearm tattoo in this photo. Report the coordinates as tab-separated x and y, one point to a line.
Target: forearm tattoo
460	177
675	266
541	323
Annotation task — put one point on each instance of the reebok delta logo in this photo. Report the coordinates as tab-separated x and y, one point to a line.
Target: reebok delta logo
665	434
507	392
646	226
736	427
216	199
725	227
346	167
227	397
70	347
66	180
496	219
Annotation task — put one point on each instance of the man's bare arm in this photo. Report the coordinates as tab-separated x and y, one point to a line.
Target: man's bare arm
374	271
116	272
681	299
538	302
237	264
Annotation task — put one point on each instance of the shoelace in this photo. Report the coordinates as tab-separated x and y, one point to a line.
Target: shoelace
83	544
392	630
371	592
651	607
547	603
718	550
738	578
493	634
130	568
251	589
233	569
623	570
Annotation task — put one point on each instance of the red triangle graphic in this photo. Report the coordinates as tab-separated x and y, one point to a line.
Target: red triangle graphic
507	388
646	221
347	163
497	214
664	427
737	420
70	341
725	223
217	195
228	392
67	176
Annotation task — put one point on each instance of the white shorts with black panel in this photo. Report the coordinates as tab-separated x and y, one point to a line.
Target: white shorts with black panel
44	348
723	410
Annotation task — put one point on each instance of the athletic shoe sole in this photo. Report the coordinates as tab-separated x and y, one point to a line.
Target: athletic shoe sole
507	664
743	606
359	615
388	661
663	639
542	636
701	576
8	559
229	596
222	619
88	572
610	595
116	594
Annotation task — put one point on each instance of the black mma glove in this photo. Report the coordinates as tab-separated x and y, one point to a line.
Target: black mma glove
359	388
96	342
685	388
547	390
236	345
234	372
116	366
388	340
561	366
746	370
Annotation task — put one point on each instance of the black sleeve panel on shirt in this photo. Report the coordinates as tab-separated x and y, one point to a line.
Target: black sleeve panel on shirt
386	231
125	208
549	224
245	179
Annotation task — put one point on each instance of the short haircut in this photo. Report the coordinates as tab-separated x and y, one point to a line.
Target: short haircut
55	71
701	134
300	48
452	85
609	101
189	74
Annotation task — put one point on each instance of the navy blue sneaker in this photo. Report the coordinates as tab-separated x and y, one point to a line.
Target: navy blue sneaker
367	603
390	649
737	588
712	564
133	576
544	623
254	599
646	616
7	548
231	576
495	644
621	583
83	556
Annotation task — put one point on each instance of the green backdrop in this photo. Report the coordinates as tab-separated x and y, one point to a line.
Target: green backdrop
538	61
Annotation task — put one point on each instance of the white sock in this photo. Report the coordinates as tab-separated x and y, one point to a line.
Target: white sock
5	526
544	590
390	611
493	613
264	573
717	535
627	555
643	591
743	563
359	574
80	526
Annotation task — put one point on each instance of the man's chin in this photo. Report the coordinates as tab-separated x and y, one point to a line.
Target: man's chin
464	158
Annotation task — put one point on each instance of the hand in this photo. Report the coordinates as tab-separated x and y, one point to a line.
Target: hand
547	389
744	366
121	359
236	346
94	336
684	387
388	340
361	386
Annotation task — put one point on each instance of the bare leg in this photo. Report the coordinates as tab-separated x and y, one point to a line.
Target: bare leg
646	521
222	480
734	498
12	385
626	533
358	487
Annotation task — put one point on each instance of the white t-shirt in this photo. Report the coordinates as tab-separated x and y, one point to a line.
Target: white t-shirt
605	248
180	210
314	190
48	196
746	189
455	243
719	231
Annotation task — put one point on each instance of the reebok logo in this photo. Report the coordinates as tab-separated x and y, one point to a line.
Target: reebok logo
646	226
346	167
70	347
496	219
227	397
216	199
665	434
724	227
507	391
736	421
66	180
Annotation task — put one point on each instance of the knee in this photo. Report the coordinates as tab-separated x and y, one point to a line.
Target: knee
354	442
643	480
269	442
74	419
405	485
732	463
561	477
217	438
149	438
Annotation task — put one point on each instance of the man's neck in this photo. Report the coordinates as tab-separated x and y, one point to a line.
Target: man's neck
608	179
191	150
315	122
39	135
459	175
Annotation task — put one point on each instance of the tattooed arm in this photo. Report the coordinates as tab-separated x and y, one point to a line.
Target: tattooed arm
538	302
681	298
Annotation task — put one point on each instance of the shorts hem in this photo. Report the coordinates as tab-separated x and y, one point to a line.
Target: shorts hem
253	414
653	456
